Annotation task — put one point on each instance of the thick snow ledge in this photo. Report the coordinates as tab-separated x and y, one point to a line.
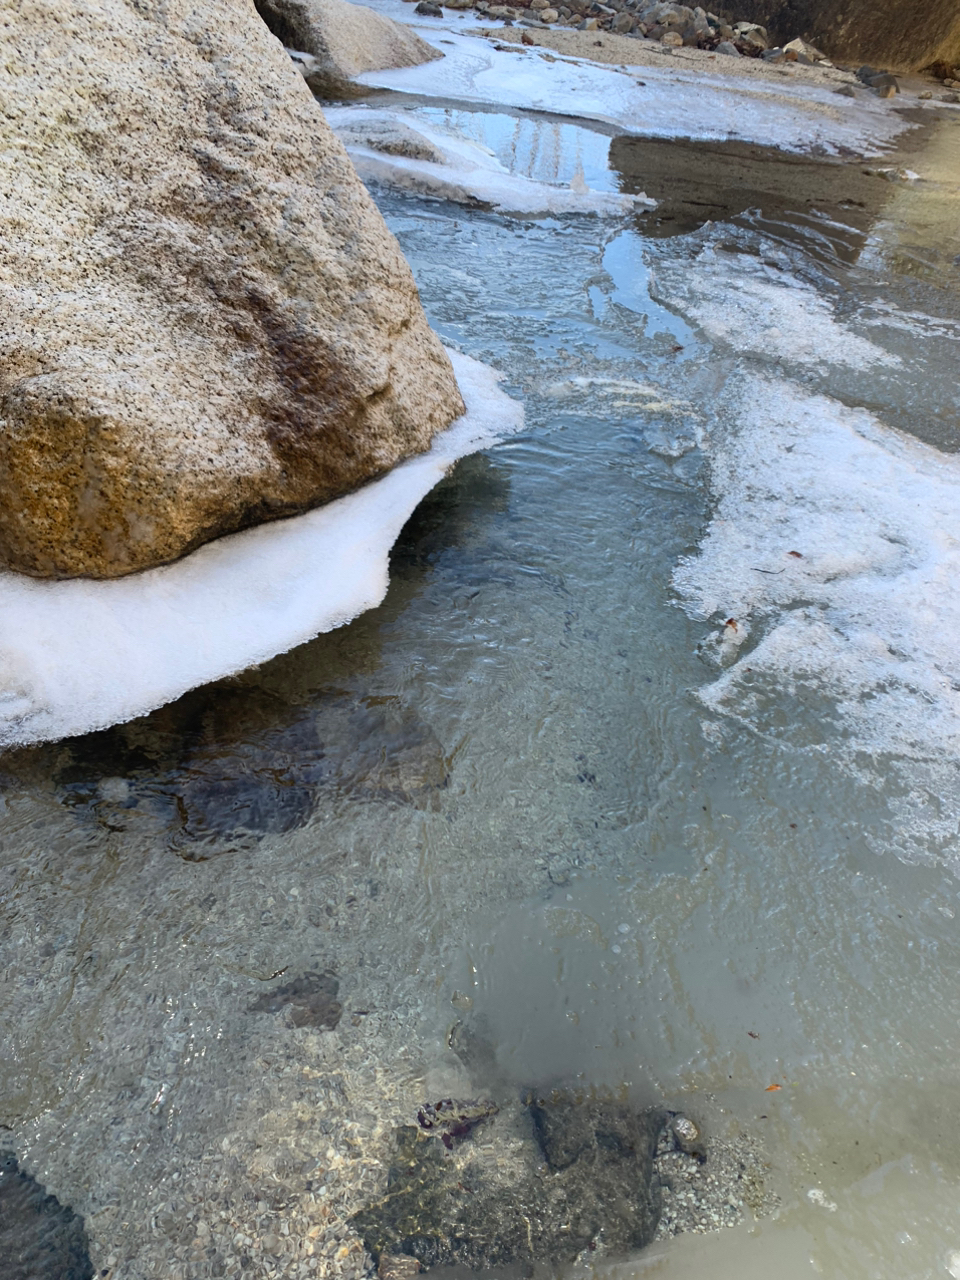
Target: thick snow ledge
79	655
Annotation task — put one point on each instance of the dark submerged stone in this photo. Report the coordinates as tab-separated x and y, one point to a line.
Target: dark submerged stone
224	763
311	999
584	1180
452	1119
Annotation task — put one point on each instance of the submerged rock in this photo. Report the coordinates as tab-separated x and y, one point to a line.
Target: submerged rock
344	40
688	1136
311	999
221	764
389	135
450	1119
397	1267
543	1181
367	748
40	1239
204	322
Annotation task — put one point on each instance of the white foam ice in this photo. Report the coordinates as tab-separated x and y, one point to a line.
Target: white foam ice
620	394
78	655
672	425
397	148
837	540
880	313
669	101
755	307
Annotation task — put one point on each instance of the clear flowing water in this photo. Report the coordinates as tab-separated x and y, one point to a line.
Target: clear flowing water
526	801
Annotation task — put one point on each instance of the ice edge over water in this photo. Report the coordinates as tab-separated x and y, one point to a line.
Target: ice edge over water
834	541
464	171
758	309
80	655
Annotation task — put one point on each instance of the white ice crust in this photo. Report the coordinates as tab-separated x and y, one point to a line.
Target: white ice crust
464	171
80	655
652	101
754	307
863	625
829	565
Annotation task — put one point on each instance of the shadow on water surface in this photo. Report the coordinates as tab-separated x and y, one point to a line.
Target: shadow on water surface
40	1239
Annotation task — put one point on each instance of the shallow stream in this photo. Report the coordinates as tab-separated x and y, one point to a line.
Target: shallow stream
554	792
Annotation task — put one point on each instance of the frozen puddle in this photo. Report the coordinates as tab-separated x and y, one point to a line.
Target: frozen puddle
79	655
410	151
542	148
829	561
653	101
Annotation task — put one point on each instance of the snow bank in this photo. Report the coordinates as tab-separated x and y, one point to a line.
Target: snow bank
80	655
837	541
396	148
652	101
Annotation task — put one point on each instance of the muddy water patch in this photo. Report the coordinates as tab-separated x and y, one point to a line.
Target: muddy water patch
826	206
919	237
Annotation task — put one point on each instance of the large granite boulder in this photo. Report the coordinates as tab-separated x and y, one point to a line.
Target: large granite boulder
344	40
204	322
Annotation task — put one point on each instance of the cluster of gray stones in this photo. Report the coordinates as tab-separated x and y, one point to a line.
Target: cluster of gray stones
675	26
671	25
947	75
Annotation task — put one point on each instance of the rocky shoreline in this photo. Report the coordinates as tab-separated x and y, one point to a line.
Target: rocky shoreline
672	26
666	27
